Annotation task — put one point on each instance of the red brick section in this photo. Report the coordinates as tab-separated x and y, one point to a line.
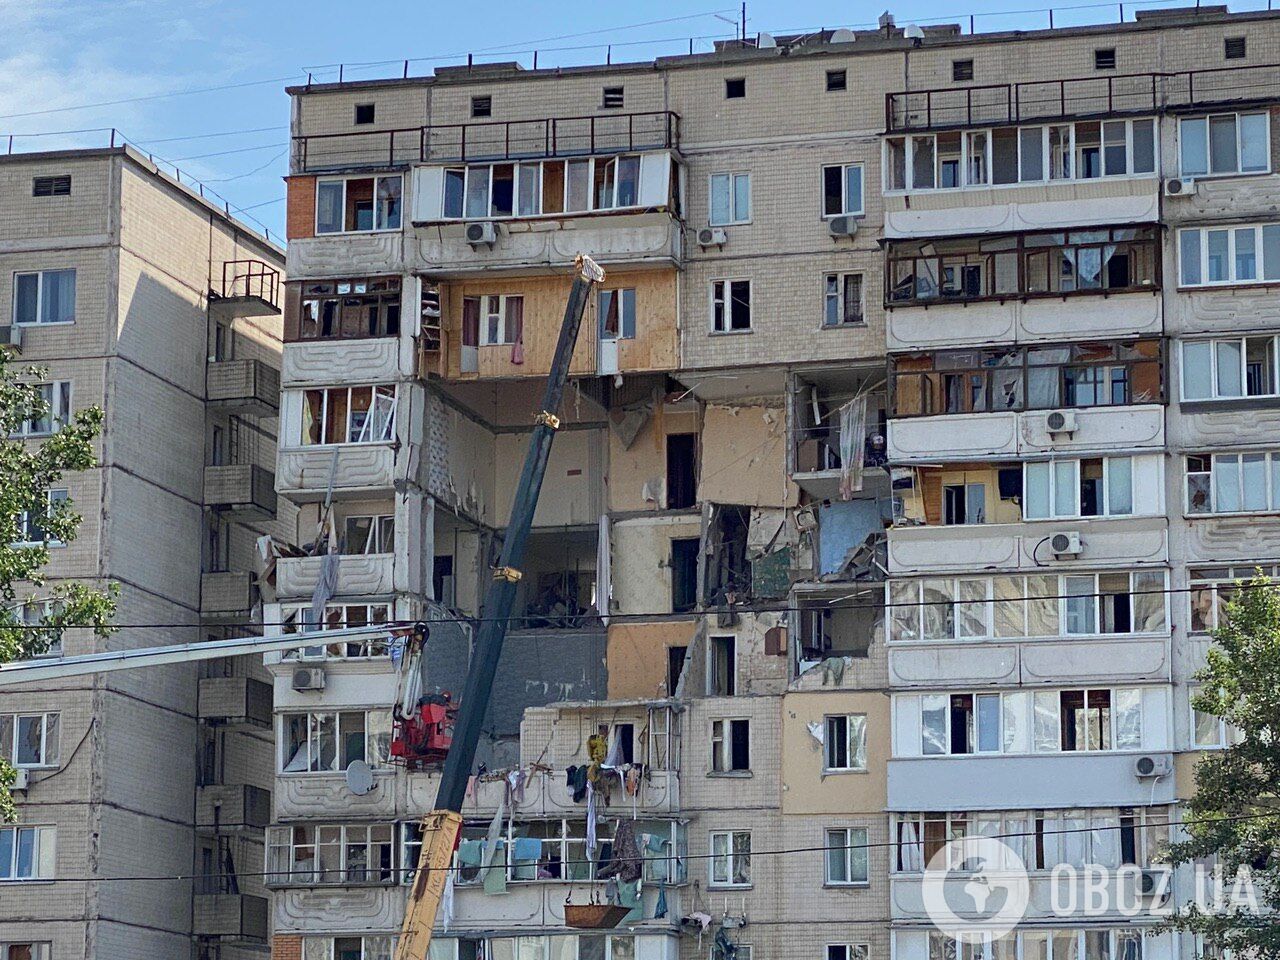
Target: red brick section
301	219
286	947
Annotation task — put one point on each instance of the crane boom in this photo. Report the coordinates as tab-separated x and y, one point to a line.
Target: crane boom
441	827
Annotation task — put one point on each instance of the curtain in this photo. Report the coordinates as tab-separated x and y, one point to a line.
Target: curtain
515	328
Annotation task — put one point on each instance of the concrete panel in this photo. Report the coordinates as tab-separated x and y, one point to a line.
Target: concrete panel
359	575
1113	659
346	255
1220	539
637	655
355	910
303	473
806	790
1192	428
975	663
743	457
322	362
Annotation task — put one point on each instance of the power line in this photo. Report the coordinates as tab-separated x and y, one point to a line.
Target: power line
786	851
154	96
1236	586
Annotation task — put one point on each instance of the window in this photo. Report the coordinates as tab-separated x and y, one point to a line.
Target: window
735	89
481	107
348	415
974	608
730	199
297	619
29	739
27	950
730	305
342	853
617	311
845	743
837	80
848	951
842	190
358	948
682	470
350	309
501	318
536	188
843	300
964	503
1212	588
329	742
45	296
358	204
369	534
684	574
364	113
1234	48
1005	156
41	613
724	667
57	186
1226	255
26	853
730	746
1207	730
846	856
612	98
31	531
1224	143
1229	369
1101	487
56	400
1040	721
1233	483
1104	59
961	70
731	859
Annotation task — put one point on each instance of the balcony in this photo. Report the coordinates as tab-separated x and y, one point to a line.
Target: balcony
234	701
822	404
248	387
243	489
1109	95
233	918
232	808
227	596
357	360
487	140
250	288
306	473
359	575
1117	888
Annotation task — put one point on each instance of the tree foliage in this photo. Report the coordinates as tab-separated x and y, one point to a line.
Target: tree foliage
28	470
1234	817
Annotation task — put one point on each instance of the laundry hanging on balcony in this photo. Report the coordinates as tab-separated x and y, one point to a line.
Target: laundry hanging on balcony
853	431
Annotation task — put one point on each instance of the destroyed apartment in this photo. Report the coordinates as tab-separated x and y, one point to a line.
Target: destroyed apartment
923	414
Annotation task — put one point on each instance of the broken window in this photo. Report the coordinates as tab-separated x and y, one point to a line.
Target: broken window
55	399
330	742
617	312
730	305
682	466
842	190
724	667
331	854
843	300
358	204
1233	483
348	415
675	667
848	951
1042	721
44	296
1224	144
55	186
684	574
846	858
30	739
337	616
731	858
31	523
730	199
369	534
735	89
845	743
829	629
730	746
728	572
348	309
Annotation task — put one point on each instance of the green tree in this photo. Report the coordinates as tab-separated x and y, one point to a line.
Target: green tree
28	470
1234	816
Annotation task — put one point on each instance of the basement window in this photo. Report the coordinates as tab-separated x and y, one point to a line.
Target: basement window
1104	59
58	186
364	113
1235	48
481	107
961	69
735	89
837	80
612	98
730	746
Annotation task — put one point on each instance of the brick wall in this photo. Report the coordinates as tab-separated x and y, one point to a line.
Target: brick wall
286	947
301	217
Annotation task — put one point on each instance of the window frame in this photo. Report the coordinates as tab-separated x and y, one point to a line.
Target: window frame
520	168
26	525
374	735
40	276
725	301
1259	232
1224	733
289	872
851	743
384	391
731	859
736	217
295	618
59	410
721	741
50	752
1052	489
840	297
481	106
730	88
1217	582
840	77
495	305
1242	342
849	951
861	210
377	213
382	294
369	117
626	299
617	94
1208	118
54	182
41	834
1271	483
852	848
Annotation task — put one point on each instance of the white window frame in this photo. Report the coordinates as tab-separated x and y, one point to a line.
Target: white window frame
1051	490
852	742
1214	579
382	532
40	295
522	169
386	392
845	211
722	295
50	734
1242	343
52	495
722	746
296	618
40	949
841	301
1270	483
58	413
377	211
626	299
729	860
377	723
285	868
495	305
1224	737
1261	266
1184	126
847	951
856	847
736	217
44	850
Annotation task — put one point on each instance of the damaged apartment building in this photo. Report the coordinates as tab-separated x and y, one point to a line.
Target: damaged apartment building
868	485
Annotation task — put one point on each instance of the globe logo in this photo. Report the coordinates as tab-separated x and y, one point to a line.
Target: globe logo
975	887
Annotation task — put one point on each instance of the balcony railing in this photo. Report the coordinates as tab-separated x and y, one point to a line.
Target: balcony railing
1133	93
489	140
250	278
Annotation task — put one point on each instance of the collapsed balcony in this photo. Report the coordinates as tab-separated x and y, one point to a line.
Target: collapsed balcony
558	589
1100	261
747	555
838	432
836	623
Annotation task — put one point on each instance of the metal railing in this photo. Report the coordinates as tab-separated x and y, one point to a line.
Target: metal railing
1031	100
489	140
250	278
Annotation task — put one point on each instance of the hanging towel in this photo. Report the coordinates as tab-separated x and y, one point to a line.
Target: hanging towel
625	864
660	908
494	867
495	876
470	853
853	430
525	853
326	586
446	902
591	822
629	896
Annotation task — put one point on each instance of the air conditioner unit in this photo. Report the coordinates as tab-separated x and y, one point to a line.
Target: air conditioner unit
21	779
11	336
1152	766
1065	544
712	237
482	233
1061	421
1154	882
1179	186
308	678
842	226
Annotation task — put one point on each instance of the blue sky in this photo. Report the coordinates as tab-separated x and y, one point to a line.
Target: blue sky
57	56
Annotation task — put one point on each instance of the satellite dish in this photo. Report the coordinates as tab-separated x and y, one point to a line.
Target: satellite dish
912	32
359	777
842	36
766	42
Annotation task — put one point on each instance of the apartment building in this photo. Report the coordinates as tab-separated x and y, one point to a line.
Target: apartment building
922	388
136	295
